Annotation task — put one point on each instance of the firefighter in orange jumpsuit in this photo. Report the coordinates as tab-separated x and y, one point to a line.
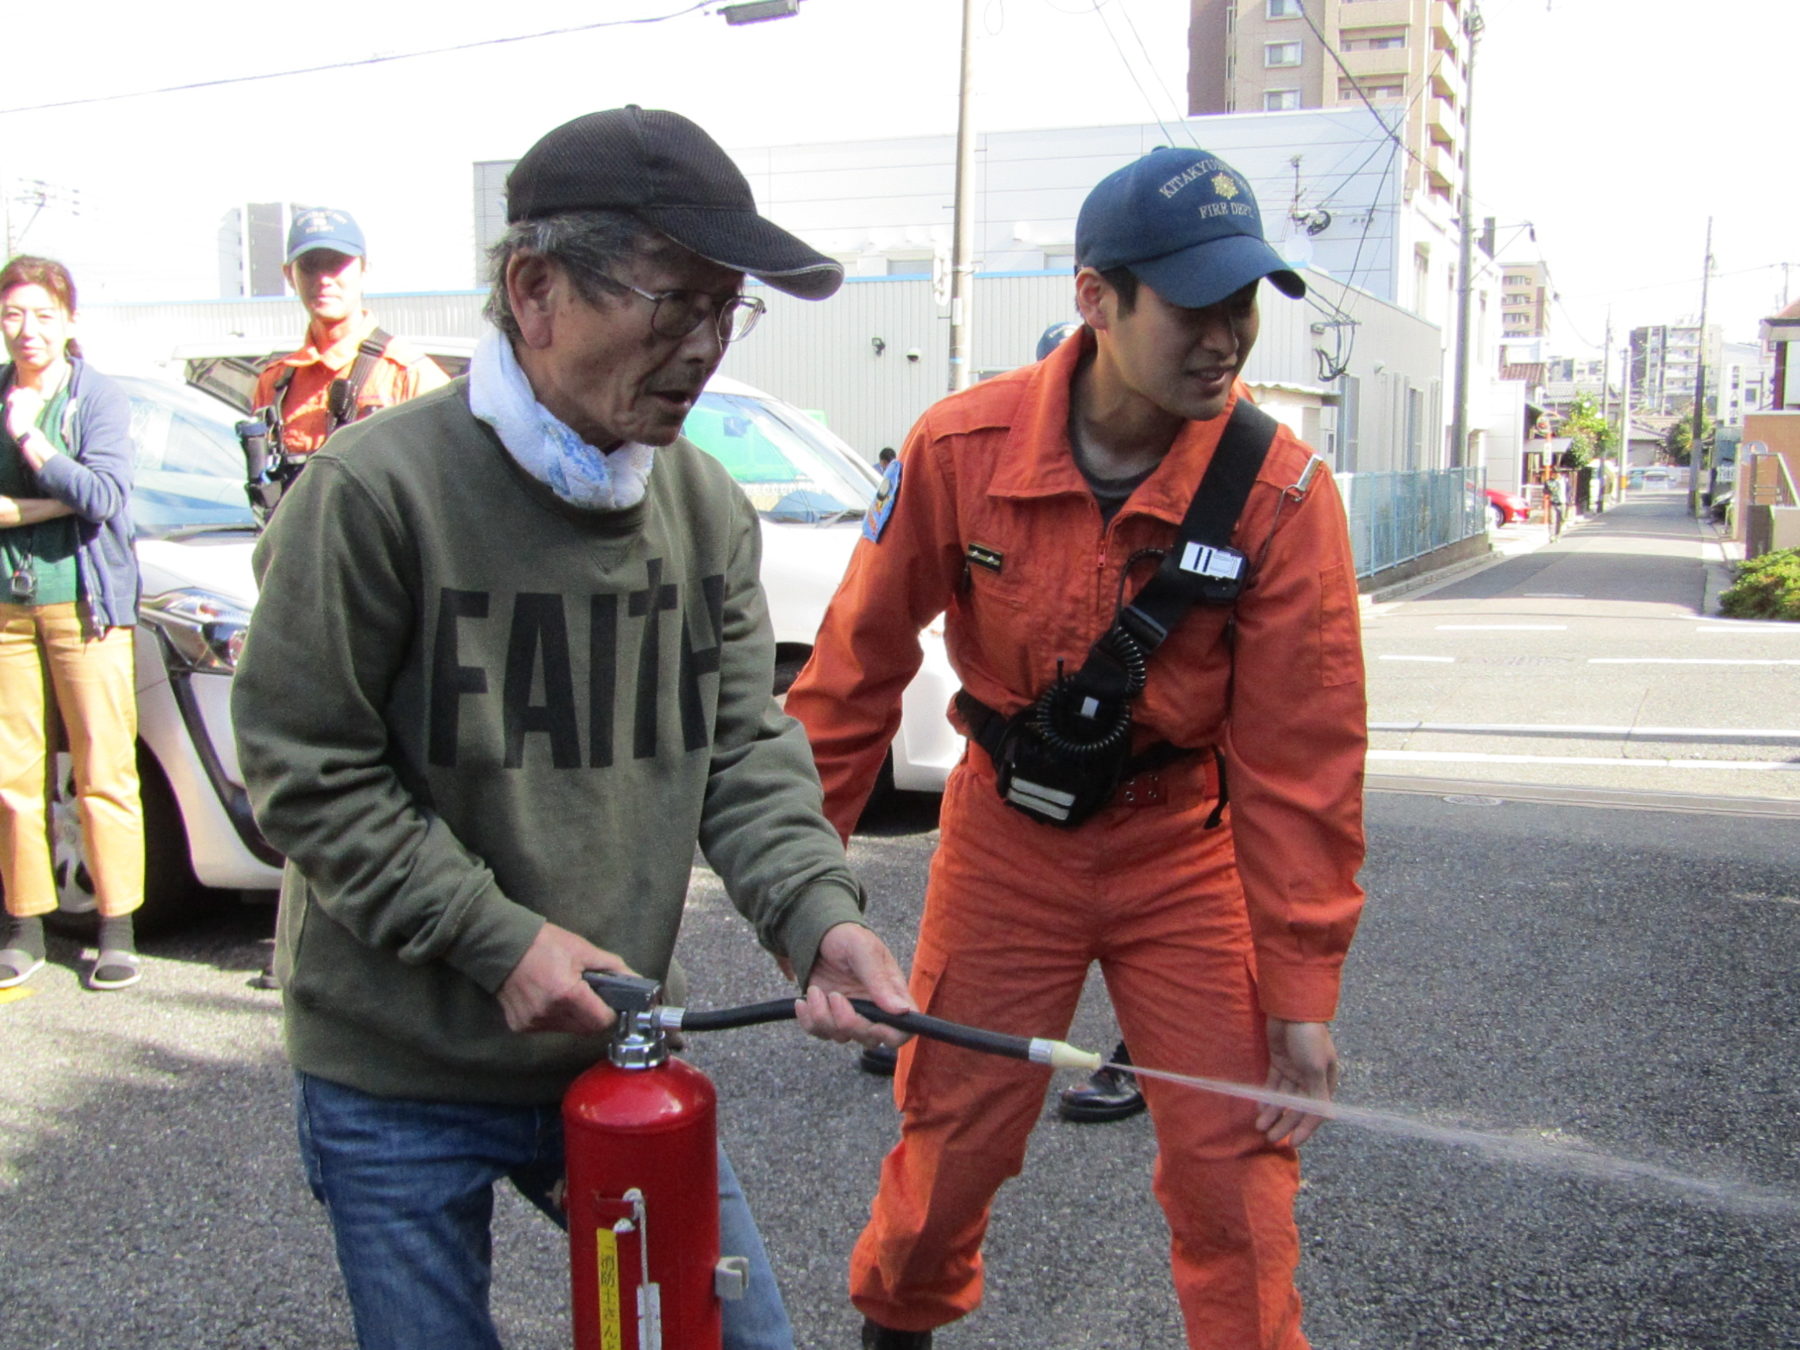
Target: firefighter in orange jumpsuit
326	265
1025	510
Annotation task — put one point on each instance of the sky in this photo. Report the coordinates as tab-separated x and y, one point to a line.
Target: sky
1606	132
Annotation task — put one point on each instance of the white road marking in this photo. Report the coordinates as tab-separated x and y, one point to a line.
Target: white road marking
1684	661
1550	595
1434	757
1749	627
1503	628
1564	729
1445	660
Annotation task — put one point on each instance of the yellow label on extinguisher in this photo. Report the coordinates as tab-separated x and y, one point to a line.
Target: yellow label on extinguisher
606	1244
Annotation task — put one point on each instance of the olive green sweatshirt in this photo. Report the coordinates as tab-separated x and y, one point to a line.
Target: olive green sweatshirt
466	708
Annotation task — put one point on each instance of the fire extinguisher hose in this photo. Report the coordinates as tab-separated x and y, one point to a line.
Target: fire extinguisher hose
1037	1050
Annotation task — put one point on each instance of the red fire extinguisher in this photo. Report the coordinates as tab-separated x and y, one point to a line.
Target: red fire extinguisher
641	1155
643	1190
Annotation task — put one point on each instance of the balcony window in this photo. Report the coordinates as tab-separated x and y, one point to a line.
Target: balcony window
1281	53
1373	39
1283	9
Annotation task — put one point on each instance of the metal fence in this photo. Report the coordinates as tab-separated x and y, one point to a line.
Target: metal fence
1396	517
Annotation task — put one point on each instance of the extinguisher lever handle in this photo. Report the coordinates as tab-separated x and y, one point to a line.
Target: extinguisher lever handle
624	993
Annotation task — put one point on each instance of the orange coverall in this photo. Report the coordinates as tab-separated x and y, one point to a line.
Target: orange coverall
1015	911
402	373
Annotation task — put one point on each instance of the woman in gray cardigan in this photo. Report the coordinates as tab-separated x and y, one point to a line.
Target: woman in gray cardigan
68	604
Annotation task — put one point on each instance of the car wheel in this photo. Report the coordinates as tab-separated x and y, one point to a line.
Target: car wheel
172	894
1496	516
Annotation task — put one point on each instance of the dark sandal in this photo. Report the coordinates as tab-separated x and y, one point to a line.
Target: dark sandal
115	970
17	966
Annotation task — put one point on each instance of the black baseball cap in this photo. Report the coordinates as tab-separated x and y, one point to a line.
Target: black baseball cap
670	174
1185	223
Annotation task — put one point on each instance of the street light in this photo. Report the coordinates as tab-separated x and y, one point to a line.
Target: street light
759	11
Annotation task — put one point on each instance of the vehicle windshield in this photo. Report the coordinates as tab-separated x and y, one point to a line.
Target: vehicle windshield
190	468
791	467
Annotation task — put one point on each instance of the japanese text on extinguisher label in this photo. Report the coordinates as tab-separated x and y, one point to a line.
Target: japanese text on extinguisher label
606	1251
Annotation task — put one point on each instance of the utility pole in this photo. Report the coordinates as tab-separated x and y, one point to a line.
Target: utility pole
1459	424
1696	450
1605	419
962	252
1624	423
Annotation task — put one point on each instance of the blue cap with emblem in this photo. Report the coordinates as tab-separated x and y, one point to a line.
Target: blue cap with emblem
323	227
1185	223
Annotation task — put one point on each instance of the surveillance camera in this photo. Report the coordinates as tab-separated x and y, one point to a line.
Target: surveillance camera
912	353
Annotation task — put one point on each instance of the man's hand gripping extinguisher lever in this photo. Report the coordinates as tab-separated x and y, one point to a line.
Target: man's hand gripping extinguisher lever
1035	1049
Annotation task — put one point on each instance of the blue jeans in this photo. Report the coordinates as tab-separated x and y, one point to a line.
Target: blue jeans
409	1189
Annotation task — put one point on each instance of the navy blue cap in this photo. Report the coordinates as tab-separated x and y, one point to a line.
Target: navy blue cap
323	227
1055	335
1183	222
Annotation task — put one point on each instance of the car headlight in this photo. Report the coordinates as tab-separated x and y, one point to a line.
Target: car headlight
205	631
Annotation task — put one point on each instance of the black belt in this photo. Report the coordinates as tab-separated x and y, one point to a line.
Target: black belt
988	728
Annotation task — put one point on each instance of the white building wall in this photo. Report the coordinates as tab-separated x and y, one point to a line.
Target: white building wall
851	359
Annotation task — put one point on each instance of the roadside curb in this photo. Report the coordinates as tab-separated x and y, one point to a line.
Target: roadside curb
1427	580
1606	798
1721	555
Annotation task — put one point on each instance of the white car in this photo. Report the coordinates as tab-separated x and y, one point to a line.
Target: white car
195	533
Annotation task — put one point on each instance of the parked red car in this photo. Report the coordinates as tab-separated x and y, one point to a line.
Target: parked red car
1504	508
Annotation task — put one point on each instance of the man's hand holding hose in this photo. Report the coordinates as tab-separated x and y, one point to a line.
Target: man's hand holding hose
853	963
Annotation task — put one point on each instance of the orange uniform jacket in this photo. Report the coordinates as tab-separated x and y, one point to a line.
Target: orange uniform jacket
402	373
994	526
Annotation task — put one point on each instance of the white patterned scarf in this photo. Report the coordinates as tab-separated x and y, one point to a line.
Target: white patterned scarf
543	444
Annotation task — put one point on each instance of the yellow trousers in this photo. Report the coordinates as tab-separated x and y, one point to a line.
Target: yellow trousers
43	649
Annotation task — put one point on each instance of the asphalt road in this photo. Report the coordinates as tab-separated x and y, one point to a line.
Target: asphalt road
1618	983
1595	661
1608	993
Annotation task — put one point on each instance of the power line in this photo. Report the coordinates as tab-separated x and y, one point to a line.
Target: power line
1173	101
1356	84
1149	102
363	61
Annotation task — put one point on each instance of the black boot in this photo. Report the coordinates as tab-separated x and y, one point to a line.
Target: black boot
1108	1094
877	1337
880	1060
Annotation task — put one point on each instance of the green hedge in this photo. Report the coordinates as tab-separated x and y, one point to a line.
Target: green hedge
1766	588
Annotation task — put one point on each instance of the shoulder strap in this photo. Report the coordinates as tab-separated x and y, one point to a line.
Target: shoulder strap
1202	566
346	393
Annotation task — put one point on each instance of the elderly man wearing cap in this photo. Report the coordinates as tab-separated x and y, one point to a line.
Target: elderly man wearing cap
348	367
1148	595
511	662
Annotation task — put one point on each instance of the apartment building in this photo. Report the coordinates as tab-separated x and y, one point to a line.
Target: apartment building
1665	365
1272	56
1746	382
1524	301
1567	378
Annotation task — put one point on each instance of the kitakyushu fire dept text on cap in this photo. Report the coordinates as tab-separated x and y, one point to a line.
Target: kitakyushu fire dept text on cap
666	171
318	227
1185	223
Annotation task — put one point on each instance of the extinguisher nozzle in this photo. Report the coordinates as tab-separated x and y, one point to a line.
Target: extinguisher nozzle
1062	1055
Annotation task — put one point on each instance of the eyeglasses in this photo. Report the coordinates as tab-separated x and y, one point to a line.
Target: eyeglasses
675	314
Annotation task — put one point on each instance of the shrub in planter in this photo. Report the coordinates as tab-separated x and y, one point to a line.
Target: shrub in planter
1765	588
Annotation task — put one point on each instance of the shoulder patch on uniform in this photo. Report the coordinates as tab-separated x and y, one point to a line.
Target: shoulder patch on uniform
881	510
